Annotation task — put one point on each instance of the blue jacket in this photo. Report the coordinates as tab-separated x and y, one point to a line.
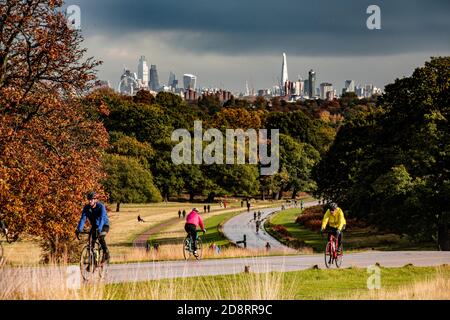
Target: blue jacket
97	216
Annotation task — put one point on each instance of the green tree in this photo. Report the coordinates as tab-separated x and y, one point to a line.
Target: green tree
128	181
392	166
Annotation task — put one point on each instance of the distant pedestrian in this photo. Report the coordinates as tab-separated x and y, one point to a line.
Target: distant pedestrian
225	205
254	216
295	203
259	215
209	208
179	214
258	224
242	203
267	246
248	206
204	208
184	213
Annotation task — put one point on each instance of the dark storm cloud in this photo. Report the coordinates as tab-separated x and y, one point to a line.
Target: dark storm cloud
300	27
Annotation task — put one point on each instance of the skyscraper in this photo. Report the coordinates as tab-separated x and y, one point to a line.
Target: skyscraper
143	71
349	86
312	83
189	81
171	79
284	72
325	88
154	81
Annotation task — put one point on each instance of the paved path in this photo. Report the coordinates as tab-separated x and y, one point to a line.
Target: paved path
133	272
235	228
141	240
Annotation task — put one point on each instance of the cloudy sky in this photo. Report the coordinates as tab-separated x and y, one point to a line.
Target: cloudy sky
226	43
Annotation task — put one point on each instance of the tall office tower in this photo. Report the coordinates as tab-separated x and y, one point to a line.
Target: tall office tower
128	83
143	71
154	81
324	89
171	81
306	87
247	90
349	86
284	72
299	87
189	81
368	90
312	84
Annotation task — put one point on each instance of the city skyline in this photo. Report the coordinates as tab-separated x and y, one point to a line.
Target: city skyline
330	38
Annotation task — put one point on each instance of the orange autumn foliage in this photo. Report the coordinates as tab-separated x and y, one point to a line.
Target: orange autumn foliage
49	145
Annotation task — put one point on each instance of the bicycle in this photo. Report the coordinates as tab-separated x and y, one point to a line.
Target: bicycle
2	258
91	259
332	255
188	249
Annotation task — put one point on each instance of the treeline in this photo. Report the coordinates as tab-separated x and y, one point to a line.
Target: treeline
138	161
390	165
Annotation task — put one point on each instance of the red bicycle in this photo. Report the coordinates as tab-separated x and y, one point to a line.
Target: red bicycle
332	254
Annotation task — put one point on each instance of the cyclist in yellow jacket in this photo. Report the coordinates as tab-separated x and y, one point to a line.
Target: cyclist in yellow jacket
334	218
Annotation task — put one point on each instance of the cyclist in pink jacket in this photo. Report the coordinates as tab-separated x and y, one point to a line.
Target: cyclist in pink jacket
193	220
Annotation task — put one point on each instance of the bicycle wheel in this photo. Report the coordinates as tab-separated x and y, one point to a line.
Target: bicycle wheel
2	260
199	249
187	251
328	255
340	256
101	265
87	263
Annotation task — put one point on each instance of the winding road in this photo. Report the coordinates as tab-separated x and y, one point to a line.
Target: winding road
245	224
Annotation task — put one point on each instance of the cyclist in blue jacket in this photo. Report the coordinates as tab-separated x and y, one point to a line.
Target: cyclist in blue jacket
95	212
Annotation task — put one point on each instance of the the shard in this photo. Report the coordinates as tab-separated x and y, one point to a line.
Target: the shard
284	72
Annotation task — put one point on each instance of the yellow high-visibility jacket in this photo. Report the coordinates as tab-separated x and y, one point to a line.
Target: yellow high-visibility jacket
336	221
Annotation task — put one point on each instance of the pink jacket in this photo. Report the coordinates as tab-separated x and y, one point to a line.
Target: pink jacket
194	218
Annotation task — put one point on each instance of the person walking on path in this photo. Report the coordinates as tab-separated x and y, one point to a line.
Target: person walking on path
259	215
204	208
179	214
184	213
209	208
254	216
248	206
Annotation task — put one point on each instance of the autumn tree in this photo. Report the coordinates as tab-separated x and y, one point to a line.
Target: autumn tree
49	144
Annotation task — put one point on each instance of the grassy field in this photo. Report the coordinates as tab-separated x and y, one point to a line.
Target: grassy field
125	228
408	282
309	284
357	239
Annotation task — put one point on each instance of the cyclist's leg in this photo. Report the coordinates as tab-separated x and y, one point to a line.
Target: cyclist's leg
191	230
102	241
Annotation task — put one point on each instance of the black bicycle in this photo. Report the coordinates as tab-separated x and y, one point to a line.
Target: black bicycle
188	247
92	262
4	232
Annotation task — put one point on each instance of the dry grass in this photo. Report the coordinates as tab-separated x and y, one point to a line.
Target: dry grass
437	288
50	283
175	252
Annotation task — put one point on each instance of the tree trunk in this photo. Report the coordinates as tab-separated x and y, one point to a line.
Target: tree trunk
263	195
191	196
118	207
443	236
294	193
211	197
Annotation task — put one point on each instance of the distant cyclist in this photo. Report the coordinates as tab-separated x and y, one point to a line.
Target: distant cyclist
334	218
95	212
193	220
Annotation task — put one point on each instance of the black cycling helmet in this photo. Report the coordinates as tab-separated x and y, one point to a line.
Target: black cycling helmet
333	206
92	195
